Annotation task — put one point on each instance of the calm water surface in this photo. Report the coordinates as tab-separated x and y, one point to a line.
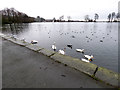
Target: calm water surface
81	35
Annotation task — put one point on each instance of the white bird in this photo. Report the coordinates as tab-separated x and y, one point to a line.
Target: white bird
88	57
54	47
34	42
62	51
80	50
23	40
85	60
1	34
14	37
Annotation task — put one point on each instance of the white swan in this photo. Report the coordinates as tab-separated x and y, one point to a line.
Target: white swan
80	50
62	51
34	42
85	60
54	47
88	57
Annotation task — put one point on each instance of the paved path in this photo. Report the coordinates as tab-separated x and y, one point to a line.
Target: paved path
24	68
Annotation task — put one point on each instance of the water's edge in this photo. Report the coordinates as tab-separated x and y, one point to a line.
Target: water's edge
97	39
98	73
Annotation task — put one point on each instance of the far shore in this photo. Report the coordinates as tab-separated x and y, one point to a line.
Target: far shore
82	21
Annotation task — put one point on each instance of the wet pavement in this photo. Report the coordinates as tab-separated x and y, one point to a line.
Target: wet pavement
24	68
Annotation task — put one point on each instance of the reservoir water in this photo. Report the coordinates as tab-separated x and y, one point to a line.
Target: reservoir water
98	39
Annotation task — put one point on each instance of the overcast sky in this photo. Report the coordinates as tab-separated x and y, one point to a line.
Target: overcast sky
77	9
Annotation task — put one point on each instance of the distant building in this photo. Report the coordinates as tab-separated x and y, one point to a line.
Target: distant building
38	19
48	20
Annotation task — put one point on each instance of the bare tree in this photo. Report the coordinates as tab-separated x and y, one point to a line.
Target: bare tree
69	17
61	17
87	18
54	19
118	16
109	17
113	16
96	17
11	15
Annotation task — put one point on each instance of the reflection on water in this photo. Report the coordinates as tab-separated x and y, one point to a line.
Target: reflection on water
98	39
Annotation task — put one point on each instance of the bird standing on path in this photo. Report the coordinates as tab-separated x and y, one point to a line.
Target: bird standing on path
85	60
62	51
89	57
54	47
34	42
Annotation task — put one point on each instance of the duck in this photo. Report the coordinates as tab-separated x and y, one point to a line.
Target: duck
73	36
101	40
54	47
80	50
89	57
69	45
34	42
23	40
14	37
62	51
85	60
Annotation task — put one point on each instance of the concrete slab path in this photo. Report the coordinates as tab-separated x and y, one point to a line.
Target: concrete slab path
24	68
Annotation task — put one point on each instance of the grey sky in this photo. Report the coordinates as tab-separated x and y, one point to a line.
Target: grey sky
77	9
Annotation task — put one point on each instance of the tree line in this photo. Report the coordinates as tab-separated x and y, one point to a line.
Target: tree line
112	17
88	19
11	15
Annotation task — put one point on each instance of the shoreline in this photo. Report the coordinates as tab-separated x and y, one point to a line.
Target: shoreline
68	22
98	73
